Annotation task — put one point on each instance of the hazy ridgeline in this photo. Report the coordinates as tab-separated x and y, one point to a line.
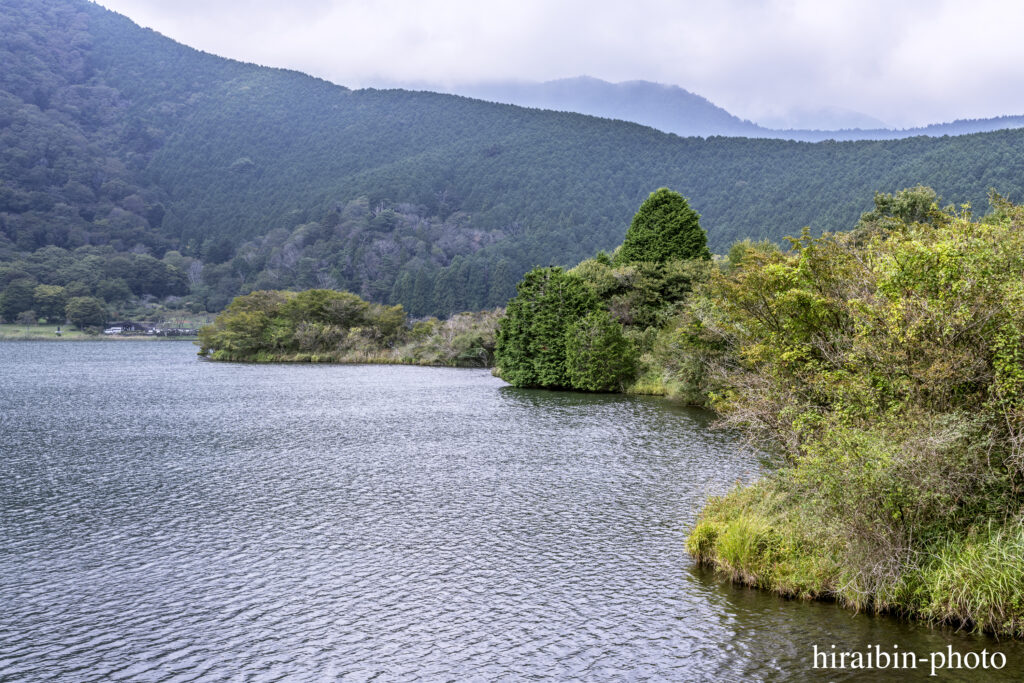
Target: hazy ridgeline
672	109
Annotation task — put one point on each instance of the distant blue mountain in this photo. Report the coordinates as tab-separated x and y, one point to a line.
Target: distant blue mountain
666	107
674	110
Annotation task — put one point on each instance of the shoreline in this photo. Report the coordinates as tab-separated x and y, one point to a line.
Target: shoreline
331	359
48	332
86	338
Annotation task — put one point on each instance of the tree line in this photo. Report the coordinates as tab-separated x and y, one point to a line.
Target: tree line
584	329
322	325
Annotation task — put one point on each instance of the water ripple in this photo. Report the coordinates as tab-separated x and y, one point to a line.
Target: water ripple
168	519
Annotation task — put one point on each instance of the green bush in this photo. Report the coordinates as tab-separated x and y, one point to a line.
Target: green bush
86	312
882	368
597	355
321	326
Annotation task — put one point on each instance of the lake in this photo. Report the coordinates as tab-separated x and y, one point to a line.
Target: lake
166	518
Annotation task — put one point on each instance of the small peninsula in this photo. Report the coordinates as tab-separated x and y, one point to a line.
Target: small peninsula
327	326
879	370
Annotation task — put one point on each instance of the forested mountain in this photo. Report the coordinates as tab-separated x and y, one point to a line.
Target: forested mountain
131	165
673	109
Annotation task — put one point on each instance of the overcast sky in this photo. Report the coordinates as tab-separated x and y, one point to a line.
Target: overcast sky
904	63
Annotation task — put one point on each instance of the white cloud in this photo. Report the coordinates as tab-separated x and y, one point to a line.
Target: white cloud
907	63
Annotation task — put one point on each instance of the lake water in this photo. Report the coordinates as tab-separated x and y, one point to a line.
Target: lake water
164	518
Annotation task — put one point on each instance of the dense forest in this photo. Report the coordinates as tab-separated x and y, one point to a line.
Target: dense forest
118	145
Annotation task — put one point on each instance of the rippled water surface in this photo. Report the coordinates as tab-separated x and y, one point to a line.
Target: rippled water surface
166	518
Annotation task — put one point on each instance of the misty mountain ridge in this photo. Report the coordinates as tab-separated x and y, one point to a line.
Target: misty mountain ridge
827	118
668	108
673	109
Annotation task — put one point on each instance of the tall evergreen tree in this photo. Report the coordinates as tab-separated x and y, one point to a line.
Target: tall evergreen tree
664	228
530	348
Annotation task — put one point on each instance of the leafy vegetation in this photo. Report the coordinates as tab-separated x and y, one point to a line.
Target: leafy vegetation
119	142
531	343
86	311
883	370
598	357
584	329
320	325
47	280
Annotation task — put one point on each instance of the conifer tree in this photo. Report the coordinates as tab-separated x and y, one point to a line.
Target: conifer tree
664	228
530	349
598	357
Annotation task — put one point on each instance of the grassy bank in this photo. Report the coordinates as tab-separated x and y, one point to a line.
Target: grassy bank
883	371
70	333
42	332
762	536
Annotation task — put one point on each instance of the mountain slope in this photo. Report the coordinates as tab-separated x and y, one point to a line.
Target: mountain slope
116	140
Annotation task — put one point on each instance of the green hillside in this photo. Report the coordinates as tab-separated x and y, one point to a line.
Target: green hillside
235	177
